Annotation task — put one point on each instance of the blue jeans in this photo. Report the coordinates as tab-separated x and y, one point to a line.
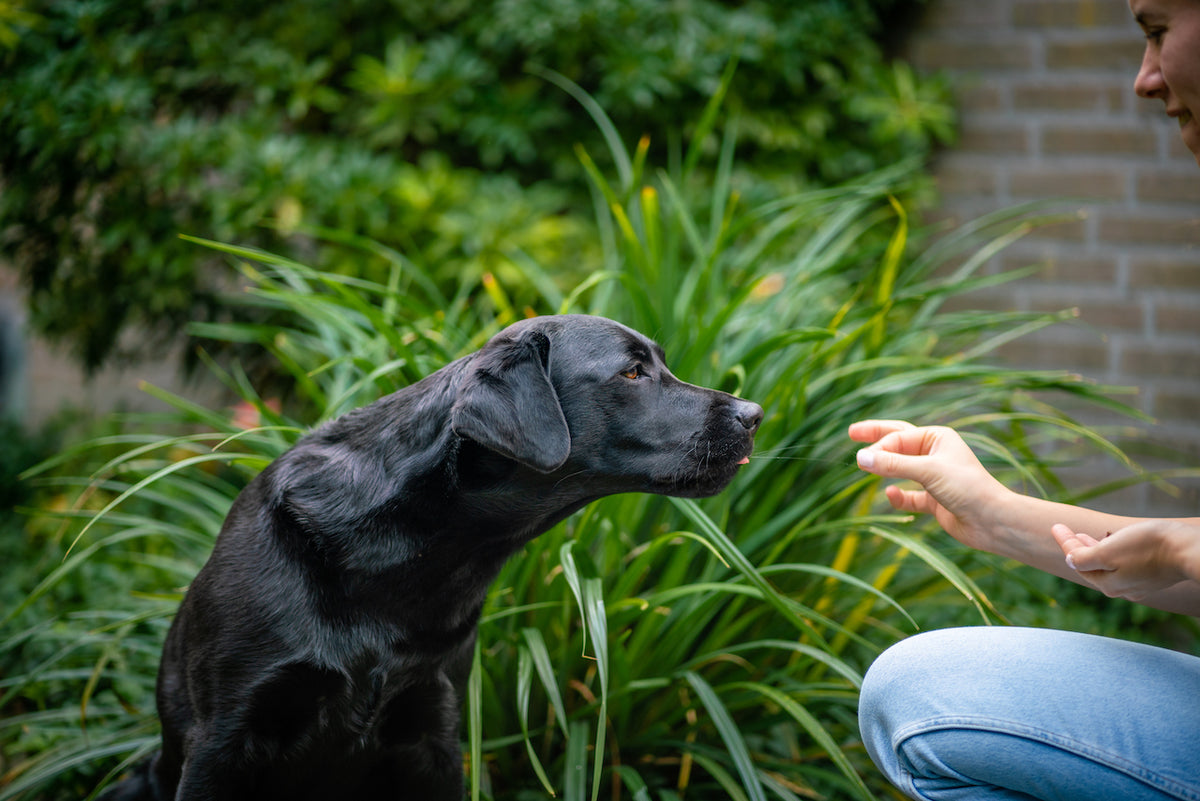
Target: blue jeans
1013	713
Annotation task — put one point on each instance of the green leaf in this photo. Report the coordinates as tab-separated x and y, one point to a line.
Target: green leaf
816	730
730	735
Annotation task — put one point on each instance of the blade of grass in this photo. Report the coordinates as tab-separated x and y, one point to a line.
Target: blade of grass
730	735
815	729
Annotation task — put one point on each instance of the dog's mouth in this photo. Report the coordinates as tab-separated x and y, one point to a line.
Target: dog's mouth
747	451
708	472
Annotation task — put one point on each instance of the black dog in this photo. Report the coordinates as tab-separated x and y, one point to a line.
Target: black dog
323	649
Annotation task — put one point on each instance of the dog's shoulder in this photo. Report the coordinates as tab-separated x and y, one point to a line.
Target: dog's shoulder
360	460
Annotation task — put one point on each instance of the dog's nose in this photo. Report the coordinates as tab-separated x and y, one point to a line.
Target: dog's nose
749	414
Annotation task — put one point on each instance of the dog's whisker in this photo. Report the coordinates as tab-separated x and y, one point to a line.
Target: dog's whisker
785	453
785	449
771	458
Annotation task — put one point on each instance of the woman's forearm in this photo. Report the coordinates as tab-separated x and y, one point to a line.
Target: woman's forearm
1022	532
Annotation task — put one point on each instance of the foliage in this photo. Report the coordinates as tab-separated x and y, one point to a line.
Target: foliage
646	648
21	451
428	126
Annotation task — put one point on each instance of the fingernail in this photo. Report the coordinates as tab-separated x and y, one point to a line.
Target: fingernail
1071	562
866	459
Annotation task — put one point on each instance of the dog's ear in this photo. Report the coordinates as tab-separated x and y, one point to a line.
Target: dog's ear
507	404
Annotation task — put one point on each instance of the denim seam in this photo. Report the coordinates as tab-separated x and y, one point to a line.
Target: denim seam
1022	730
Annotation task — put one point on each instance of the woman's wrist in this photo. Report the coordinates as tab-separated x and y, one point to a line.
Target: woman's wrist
1002	519
1023	529
1183	548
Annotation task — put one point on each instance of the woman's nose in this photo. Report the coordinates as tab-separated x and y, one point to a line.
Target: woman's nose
1149	82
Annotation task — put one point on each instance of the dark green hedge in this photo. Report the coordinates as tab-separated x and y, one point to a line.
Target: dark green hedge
418	123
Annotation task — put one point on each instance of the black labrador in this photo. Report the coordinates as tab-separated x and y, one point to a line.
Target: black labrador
323	649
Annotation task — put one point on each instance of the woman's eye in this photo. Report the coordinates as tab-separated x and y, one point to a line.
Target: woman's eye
633	373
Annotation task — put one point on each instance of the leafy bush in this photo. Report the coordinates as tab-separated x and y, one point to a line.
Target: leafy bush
428	126
646	648
22	450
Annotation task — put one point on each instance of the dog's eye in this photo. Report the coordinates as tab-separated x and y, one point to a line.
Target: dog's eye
633	373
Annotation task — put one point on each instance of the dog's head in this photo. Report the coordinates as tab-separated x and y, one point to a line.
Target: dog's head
593	398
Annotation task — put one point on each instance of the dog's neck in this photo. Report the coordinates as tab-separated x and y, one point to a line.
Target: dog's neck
418	524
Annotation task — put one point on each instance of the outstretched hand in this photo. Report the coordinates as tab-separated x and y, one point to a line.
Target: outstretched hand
1150	561
955	487
1134	561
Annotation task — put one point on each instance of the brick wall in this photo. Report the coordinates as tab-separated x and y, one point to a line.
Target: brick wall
1045	90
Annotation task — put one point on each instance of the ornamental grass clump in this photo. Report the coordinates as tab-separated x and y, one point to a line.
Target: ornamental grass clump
645	648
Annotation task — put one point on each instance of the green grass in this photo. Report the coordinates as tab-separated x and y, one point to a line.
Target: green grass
646	648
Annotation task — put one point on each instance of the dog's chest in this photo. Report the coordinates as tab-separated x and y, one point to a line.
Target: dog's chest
399	707
391	692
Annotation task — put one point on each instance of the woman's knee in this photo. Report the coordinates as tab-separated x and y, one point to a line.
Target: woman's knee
901	676
902	687
928	701
935	675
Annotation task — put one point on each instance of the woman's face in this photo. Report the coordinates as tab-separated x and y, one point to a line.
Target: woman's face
1171	64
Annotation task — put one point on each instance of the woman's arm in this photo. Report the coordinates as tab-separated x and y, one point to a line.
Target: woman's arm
979	511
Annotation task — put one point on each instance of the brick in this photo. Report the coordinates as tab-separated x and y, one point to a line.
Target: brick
1175	273
974	95
1162	441
1073	14
1184	502
1113	316
1037	95
1129	501
994	138
1155	359
1090	359
1146	228
965	177
1090	268
1179	316
1150	110
1177	151
1051	182
1169	185
973	54
955	16
1177	405
1114	139
1165	444
1108	53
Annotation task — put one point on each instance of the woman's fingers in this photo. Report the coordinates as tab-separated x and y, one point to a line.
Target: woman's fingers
874	430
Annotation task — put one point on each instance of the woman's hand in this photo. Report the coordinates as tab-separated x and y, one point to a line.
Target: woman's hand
955	487
1144	560
1135	561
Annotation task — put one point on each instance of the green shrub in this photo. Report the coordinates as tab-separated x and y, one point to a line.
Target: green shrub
428	126
646	648
22	450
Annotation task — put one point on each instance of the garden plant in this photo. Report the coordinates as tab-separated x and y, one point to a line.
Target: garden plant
646	648
427	125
